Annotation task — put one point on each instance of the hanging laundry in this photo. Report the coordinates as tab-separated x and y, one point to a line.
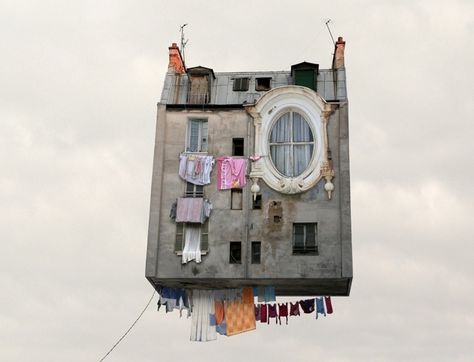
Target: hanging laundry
263	313
203	308
173	298
320	307
261	294
270	294
272	312
307	305
282	312
294	309
257	312
195	169
174	205
231	173
219	311
192	244
240	317
327	300
193	209
247	295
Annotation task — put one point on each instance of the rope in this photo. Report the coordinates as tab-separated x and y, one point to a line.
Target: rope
129	329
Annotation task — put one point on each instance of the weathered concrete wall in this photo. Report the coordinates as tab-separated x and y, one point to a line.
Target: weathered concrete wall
328	271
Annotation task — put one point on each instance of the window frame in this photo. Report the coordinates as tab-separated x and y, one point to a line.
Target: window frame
241	84
197	190
291	143
253	252
203	134
180	238
235	243
306	250
265	112
263	87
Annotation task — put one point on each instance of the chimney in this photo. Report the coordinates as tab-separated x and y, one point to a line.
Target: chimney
176	63
338	60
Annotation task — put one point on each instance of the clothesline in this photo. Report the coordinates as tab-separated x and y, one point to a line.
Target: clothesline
232	311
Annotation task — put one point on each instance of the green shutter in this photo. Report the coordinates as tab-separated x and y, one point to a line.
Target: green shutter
205	237
178	245
305	78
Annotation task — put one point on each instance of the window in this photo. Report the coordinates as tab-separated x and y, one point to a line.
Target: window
262	84
304	238
193	190
256	247
237	146
257	202
181	237
236	199
197	135
241	84
235	252
291	144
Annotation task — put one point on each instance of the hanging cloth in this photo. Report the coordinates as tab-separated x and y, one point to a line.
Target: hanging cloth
294	309
307	305
203	308
263	313
272	312
270	294
282	312
192	244
320	307
195	169
327	300
231	173
239	316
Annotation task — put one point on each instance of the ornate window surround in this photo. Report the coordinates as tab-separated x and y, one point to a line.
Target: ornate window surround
265	112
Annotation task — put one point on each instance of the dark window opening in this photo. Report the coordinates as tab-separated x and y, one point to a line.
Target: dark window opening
235	252
236	199
256	250
241	84
193	190
305	238
237	146
257	202
262	84
276	219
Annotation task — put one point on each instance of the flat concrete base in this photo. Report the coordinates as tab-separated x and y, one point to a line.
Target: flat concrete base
283	287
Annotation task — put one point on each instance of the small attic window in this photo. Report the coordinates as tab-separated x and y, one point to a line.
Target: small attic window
241	84
263	84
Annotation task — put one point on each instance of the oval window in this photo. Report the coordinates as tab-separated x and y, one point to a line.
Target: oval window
291	144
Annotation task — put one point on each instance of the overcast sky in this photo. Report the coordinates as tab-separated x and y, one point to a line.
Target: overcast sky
79	83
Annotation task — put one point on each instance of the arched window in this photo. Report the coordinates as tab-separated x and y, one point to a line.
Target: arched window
291	144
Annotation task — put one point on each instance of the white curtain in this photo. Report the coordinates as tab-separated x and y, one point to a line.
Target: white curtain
291	144
192	243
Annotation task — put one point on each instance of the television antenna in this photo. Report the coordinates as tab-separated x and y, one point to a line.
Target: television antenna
183	42
329	29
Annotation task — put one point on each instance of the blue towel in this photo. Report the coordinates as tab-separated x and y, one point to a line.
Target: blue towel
270	294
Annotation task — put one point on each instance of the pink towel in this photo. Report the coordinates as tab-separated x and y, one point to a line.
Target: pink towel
231	173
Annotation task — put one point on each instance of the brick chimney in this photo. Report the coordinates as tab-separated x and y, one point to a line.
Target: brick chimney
338	60
176	63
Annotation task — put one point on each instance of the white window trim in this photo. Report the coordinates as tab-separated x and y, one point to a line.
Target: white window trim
265	112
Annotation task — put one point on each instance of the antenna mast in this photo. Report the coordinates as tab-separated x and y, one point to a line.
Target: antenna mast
327	25
183	42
